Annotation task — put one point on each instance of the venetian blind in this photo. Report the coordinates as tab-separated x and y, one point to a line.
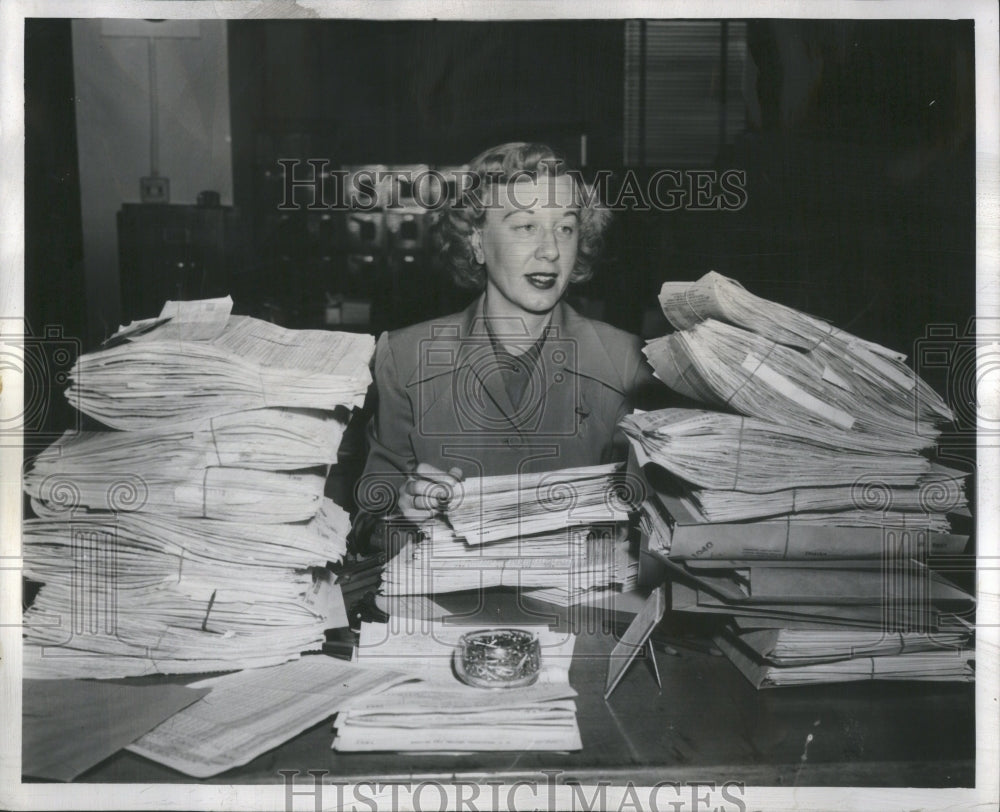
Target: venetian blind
683	90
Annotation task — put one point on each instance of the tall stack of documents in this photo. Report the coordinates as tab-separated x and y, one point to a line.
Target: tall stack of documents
562	567
804	511
265	465
438	712
558	534
736	351
198	360
192	538
733	468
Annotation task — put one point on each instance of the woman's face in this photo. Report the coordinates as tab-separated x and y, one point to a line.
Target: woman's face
528	243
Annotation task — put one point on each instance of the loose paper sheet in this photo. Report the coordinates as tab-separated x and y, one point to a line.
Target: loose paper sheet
249	712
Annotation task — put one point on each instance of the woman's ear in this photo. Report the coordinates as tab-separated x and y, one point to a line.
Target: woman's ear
476	240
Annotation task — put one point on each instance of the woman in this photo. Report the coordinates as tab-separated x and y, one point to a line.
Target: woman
519	381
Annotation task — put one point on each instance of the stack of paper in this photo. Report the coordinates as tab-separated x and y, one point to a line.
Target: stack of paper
717	297
558	531
726	468
209	492
729	452
729	367
747	584
267	439
441	713
154	550
485	509
868	501
185	543
785	647
561	566
143	594
876	377
181	366
934	607
675	528
937	658
811	508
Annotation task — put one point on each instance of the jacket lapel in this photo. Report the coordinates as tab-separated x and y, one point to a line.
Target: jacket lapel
458	373
577	348
481	362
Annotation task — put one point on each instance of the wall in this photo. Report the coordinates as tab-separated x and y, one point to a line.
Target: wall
111	73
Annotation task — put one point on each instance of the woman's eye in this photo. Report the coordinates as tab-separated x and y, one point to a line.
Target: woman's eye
567	230
526	227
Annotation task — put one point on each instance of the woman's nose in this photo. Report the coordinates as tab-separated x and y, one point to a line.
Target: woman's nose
547	248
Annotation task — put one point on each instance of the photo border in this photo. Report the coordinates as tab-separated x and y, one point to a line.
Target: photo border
15	795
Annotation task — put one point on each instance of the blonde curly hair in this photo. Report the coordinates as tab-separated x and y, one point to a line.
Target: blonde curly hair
455	224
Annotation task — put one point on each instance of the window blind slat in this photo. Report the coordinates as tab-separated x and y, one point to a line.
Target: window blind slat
674	97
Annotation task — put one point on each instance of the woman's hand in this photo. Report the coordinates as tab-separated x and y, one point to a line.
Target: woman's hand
427	492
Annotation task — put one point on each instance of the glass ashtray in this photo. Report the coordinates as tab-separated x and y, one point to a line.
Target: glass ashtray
498	658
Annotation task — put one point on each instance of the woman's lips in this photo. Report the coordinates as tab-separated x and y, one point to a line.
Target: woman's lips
542	281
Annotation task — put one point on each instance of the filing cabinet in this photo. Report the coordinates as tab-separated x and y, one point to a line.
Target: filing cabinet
176	252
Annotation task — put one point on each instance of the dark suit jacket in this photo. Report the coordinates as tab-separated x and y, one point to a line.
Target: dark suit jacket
441	400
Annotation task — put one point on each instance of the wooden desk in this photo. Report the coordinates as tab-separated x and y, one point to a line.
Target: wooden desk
708	724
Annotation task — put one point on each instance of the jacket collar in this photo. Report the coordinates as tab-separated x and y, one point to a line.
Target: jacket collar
589	356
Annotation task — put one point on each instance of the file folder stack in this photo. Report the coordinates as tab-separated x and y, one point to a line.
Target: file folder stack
558	535
187	540
776	657
805	513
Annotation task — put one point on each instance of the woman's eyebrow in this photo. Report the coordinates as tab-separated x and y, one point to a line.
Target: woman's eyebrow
575	212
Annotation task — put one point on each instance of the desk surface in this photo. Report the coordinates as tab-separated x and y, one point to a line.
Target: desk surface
707	724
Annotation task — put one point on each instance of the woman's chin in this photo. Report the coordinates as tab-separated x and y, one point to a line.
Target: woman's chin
540	301
527	298
539	305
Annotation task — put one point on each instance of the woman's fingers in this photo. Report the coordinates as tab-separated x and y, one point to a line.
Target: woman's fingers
438	491
428	481
428	490
409	509
426	496
432	474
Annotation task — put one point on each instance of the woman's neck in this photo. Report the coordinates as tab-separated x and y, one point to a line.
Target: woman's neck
508	322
